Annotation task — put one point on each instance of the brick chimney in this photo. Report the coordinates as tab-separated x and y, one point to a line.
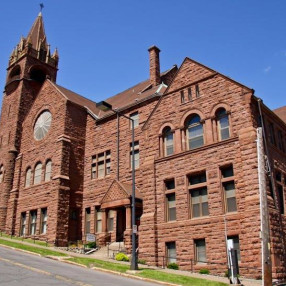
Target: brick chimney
154	65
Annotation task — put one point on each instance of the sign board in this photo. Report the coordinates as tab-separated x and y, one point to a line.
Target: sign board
90	237
134	228
229	244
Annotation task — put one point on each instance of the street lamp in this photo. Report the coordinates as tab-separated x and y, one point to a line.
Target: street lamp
104	106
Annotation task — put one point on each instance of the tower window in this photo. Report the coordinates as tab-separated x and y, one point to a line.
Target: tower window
38	75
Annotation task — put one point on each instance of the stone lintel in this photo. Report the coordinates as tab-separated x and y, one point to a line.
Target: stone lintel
61	177
116	203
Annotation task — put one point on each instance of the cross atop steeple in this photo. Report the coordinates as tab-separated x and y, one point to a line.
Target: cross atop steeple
41	7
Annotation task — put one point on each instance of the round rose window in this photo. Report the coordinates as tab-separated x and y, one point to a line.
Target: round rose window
42	125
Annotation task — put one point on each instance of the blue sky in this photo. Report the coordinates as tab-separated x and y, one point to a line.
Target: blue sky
103	44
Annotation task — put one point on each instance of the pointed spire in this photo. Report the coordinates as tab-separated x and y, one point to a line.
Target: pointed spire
55	54
37	36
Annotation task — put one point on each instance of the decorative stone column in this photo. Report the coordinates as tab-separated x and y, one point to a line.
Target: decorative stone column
9	166
128	231
128	217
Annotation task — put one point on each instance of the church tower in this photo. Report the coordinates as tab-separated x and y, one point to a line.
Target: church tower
30	63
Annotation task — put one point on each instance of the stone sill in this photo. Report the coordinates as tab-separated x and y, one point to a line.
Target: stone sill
197	150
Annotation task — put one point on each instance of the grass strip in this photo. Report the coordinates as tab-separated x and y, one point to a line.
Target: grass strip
147	273
42	251
91	262
30	240
177	279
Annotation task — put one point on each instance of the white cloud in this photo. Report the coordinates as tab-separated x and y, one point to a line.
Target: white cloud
267	69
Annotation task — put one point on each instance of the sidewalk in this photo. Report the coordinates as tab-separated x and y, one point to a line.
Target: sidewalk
102	255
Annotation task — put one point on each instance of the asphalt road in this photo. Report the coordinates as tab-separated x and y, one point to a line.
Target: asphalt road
19	268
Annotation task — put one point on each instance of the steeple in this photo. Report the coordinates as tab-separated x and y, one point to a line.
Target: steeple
37	36
35	45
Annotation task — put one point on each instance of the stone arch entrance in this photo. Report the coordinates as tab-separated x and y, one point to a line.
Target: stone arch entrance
118	199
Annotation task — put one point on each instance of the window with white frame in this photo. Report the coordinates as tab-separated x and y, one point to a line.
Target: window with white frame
168	141
33	222
23	224
171	252
28	177
222	124
195	132
98	220
110	220
101	165
136	155
171	206
227	178
200	250
197	91
198	195
44	220
280	190
135	117
48	171
38	174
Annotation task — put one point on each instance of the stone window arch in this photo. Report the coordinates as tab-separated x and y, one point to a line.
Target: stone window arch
15	73
28	177
168	141
194	131
48	170
222	123
38	173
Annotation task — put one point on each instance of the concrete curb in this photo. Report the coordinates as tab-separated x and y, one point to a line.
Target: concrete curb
22	250
63	259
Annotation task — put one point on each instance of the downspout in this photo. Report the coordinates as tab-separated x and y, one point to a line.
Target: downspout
269	166
117	146
263	161
270	174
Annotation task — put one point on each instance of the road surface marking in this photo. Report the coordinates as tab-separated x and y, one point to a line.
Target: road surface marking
59	277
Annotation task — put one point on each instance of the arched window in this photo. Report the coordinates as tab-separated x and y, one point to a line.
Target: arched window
28	177
1	174
195	132
48	171
38	173
222	124
168	141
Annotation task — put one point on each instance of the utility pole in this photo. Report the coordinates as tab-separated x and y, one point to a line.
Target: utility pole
264	215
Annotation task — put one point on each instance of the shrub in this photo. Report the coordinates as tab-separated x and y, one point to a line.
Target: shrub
226	274
91	244
141	261
121	257
173	265
204	271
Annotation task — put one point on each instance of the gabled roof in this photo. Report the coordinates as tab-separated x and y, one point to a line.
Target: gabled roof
117	192
76	98
192	71
37	35
281	112
138	93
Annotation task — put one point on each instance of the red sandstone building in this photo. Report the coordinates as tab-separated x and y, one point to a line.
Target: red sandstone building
65	166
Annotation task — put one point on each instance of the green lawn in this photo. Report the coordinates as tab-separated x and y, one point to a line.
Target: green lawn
42	251
91	262
30	240
177	279
147	273
122	268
